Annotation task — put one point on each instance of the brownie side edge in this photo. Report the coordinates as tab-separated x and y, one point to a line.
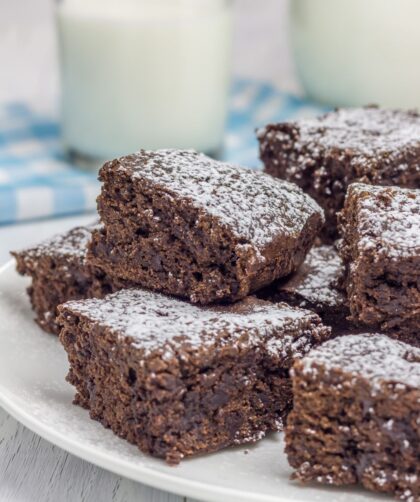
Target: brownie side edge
341	433
197	402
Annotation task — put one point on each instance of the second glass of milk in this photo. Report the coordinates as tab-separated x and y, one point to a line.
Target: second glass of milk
358	52
143	74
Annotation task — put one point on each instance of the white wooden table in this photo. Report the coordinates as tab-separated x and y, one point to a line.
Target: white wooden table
32	469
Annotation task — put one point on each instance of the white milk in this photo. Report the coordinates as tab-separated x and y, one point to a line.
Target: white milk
355	52
143	74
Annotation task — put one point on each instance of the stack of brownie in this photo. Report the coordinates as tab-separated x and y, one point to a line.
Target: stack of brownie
195	313
208	365
356	408
363	167
326	154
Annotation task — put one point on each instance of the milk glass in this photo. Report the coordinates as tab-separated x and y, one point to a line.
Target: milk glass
355	52
143	74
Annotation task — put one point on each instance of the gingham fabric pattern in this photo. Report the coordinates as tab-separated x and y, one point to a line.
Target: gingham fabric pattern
37	181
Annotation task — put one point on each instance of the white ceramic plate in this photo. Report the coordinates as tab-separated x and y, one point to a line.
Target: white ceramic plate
33	389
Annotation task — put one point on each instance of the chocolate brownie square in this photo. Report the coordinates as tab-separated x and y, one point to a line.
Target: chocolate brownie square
177	379
59	273
381	249
183	224
356	415
317	285
324	155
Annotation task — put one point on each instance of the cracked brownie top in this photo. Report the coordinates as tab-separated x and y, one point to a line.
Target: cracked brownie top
255	207
372	356
156	322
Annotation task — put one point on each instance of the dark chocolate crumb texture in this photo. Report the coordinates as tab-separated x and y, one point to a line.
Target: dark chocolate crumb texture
59	273
317	285
184	224
356	415
381	249
324	155
177	379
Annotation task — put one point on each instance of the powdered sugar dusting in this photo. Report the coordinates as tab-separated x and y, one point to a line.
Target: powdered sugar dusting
387	219
254	206
368	132
69	244
361	143
158	322
375	357
318	277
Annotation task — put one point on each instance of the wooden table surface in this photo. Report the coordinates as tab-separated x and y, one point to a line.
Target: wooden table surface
32	469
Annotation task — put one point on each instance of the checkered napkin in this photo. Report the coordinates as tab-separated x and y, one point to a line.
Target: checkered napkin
36	180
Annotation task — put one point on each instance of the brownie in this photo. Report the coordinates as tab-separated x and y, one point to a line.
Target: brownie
324	155
317	285
183	224
355	415
381	249
177	379
59	273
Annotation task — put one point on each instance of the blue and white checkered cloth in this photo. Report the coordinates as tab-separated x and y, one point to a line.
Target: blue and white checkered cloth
36	180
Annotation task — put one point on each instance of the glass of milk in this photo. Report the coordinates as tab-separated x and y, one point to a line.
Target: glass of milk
356	52
143	74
